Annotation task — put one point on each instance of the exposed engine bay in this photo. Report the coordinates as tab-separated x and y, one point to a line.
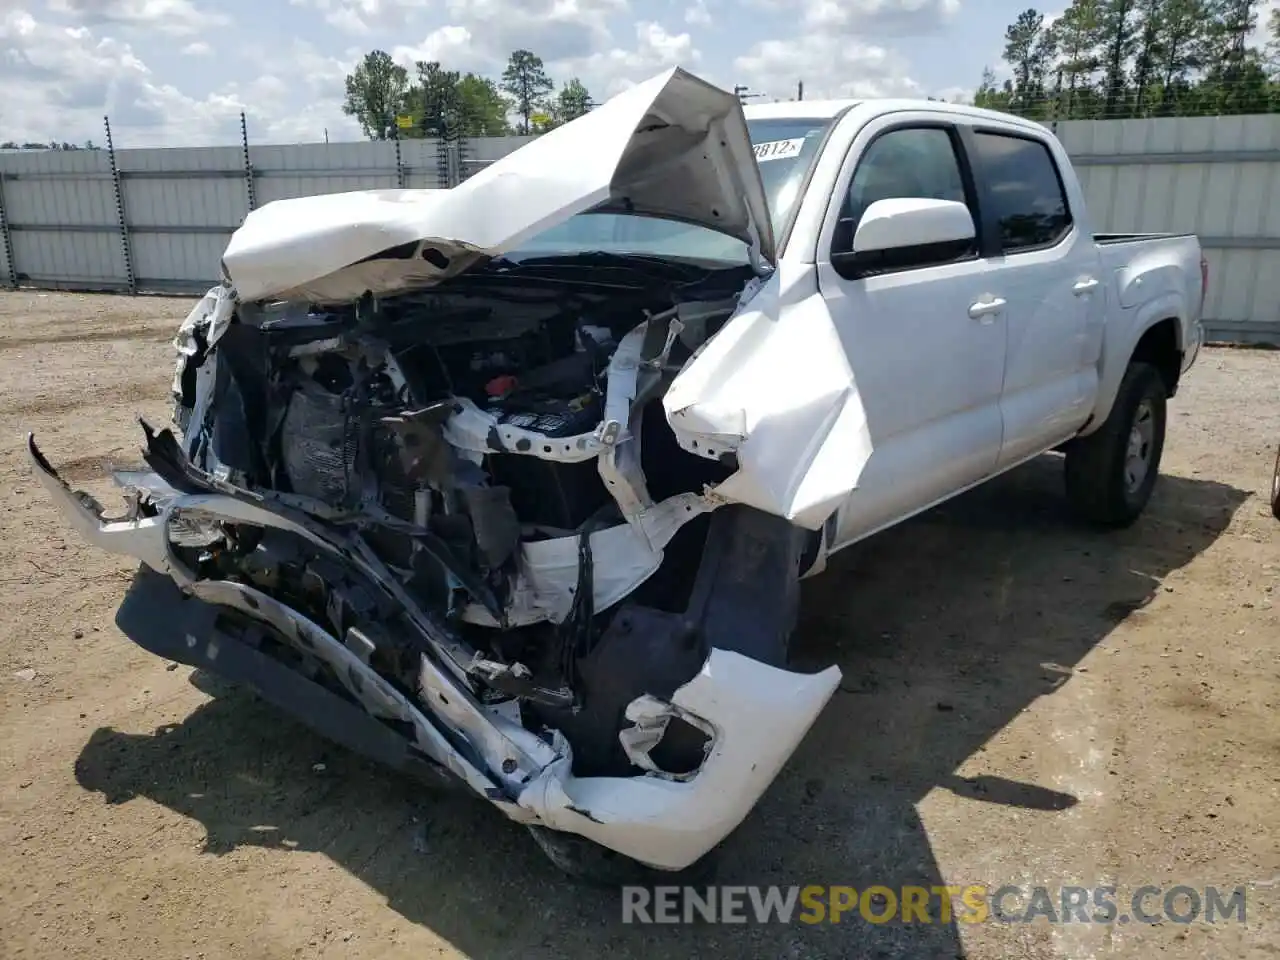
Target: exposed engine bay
431	501
484	442
450	511
452	427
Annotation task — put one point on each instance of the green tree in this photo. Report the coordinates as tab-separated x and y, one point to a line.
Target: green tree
484	109
1271	51
1029	49
1119	24
1236	81
1180	49
526	80
435	98
377	92
1150	14
571	102
447	103
990	96
1079	33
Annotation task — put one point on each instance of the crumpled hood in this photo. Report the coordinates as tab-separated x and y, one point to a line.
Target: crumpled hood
674	147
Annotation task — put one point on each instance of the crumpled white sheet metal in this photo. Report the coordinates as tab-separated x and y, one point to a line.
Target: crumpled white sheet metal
759	714
214	313
623	557
775	387
756	714
673	146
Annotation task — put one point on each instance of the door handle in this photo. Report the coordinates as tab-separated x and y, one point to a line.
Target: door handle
1084	286
985	308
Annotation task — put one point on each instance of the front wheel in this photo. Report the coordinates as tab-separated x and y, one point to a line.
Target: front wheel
1111	473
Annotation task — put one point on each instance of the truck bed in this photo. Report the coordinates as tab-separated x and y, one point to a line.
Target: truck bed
1107	239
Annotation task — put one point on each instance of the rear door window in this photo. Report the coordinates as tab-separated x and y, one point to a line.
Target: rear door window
1022	181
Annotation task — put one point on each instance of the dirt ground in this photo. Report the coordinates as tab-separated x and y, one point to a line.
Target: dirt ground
1025	702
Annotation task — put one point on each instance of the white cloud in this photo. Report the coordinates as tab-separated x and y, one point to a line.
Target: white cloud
572	37
611	71
836	51
1260	35
307	104
176	17
59	82
956	94
344	18
830	65
879	18
67	62
867	19
450	45
698	15
362	17
554	29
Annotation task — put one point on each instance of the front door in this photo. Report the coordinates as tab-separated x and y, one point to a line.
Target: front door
925	338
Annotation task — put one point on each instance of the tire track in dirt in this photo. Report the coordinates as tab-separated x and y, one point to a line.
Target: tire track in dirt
108	395
96	467
150	334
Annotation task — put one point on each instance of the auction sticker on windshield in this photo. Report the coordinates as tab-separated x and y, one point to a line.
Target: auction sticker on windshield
778	149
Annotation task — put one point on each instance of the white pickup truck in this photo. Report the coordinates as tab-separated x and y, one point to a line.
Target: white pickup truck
513	485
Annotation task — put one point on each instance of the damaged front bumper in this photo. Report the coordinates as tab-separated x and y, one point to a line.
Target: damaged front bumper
754	714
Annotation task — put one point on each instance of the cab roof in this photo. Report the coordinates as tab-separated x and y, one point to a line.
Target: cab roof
829	109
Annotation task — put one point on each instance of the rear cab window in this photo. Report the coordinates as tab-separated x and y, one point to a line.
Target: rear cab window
1024	186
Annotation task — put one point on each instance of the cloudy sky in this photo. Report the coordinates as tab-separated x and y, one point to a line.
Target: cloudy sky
178	72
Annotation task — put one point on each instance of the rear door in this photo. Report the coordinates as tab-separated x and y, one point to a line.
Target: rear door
925	337
1050	276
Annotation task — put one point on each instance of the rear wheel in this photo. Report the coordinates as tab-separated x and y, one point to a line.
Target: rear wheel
1111	473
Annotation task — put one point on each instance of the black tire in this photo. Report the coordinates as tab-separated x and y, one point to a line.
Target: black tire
1102	486
587	862
1275	487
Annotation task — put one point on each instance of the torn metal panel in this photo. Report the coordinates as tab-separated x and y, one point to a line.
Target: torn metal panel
775	388
673	147
759	713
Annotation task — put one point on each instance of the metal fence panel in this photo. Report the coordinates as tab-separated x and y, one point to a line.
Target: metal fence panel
309	169
1217	177
60	225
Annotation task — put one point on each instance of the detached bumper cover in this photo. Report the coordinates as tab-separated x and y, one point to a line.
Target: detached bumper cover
756	715
759	714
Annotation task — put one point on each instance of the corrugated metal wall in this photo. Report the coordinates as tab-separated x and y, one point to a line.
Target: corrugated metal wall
66	220
160	221
1217	177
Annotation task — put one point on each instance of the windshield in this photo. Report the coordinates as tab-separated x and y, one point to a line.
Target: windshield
784	149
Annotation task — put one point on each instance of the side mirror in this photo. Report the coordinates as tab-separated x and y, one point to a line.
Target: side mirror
912	222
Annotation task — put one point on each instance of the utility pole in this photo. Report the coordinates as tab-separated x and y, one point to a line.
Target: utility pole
740	91
800	90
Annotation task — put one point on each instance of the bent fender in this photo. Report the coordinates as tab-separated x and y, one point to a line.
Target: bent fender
775	389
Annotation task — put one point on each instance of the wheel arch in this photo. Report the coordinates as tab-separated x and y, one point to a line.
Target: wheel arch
1156	338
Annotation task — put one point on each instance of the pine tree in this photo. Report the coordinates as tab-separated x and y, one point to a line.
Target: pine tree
1028	49
1079	33
1119	36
